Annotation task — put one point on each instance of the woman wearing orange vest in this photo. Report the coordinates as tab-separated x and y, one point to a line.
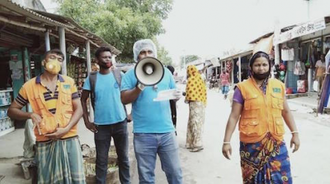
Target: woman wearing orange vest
260	106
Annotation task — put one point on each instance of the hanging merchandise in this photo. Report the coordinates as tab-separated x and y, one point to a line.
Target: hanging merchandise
229	65
78	71
299	68
301	86
277	71
289	90
282	75
307	64
282	66
316	86
287	54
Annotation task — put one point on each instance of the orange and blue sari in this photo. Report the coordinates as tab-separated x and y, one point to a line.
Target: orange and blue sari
265	162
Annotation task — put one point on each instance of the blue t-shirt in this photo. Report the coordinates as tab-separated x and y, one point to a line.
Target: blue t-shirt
150	116
108	106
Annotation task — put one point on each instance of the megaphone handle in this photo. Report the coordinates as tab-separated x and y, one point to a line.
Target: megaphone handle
140	86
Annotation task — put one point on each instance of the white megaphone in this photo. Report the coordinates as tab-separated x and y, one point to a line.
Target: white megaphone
149	71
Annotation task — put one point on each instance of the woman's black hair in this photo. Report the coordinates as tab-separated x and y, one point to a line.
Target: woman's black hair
257	55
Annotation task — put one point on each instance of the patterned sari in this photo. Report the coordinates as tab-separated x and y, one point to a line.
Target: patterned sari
196	97
265	162
195	125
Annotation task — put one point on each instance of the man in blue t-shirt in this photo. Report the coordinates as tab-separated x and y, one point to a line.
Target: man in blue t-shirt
109	119
153	127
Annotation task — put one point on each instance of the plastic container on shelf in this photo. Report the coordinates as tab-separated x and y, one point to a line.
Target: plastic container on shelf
6	124
9	123
289	90
2	127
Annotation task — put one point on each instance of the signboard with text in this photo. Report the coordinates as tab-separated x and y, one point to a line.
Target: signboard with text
300	30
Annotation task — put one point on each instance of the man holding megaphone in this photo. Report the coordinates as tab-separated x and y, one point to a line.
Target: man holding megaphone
154	132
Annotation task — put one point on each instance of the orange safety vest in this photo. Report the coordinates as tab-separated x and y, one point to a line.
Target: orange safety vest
64	108
261	113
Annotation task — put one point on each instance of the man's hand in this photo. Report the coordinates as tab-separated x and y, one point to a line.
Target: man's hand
140	86
129	117
91	126
60	132
36	119
177	94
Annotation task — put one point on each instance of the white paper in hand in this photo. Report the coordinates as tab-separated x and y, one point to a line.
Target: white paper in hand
167	95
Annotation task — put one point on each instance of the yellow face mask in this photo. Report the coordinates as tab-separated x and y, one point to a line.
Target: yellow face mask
52	66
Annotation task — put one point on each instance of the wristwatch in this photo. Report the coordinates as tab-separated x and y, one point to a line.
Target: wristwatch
141	86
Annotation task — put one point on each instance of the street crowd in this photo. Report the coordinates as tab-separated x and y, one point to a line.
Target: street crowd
259	107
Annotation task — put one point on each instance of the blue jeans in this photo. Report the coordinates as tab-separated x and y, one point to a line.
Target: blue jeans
102	140
147	146
225	90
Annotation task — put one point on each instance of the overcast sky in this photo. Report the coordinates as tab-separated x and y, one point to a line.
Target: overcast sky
208	27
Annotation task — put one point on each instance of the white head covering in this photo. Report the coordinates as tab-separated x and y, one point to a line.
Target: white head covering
145	44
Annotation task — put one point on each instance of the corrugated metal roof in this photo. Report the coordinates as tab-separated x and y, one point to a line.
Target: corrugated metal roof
52	21
242	52
29	13
261	37
287	28
81	30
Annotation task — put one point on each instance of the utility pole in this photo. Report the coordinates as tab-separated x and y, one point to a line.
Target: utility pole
310	71
308	9
184	60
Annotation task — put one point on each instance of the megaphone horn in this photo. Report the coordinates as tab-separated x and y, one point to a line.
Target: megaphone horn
149	71
148	68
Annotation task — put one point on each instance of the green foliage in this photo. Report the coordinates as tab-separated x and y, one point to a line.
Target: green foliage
162	54
119	22
187	59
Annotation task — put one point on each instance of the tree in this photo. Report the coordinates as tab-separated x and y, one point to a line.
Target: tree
119	22
187	59
162	54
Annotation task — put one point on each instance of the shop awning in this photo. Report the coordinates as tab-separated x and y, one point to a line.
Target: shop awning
264	44
301	30
215	62
246	50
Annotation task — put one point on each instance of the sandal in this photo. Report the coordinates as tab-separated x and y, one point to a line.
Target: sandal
197	149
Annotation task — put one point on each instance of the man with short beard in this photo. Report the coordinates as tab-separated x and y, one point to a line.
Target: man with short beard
110	117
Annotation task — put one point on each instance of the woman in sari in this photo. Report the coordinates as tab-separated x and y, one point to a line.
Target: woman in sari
196	97
260	106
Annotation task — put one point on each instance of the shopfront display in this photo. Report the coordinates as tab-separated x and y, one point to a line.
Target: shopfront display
6	92
77	69
6	124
